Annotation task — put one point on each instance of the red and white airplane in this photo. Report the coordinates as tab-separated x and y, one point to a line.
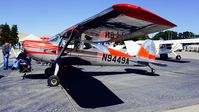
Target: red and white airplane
85	43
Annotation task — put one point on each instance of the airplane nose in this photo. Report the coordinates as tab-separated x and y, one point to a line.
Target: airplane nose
25	44
29	45
32	49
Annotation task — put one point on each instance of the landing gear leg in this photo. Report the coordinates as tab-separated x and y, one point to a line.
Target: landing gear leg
54	79
152	69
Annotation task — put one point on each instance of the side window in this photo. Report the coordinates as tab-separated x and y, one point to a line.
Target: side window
71	45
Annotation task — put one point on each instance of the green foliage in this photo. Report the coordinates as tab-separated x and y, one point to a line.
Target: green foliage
143	37
14	34
188	34
5	30
159	35
166	35
8	34
169	35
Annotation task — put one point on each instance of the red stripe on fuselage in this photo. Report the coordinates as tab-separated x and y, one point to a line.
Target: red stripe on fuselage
40	45
36	52
151	56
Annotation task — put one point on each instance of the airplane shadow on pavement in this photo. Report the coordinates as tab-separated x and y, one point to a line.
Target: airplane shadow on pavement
35	76
1	76
174	60
140	72
127	71
87	91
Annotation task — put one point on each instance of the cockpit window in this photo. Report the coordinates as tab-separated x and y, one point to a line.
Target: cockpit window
55	39
59	39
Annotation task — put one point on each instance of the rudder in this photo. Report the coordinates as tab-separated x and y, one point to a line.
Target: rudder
147	50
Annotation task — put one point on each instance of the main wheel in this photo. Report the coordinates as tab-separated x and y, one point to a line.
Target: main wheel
53	81
178	57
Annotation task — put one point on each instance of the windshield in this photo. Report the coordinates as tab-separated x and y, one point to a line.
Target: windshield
55	40
59	39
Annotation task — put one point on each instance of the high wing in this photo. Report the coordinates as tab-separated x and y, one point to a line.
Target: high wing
121	22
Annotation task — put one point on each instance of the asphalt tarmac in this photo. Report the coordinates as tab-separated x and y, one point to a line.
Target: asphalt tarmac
103	89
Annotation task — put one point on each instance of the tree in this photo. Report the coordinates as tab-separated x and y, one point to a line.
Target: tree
188	34
180	35
14	34
159	35
7	34
5	31
166	35
144	37
171	35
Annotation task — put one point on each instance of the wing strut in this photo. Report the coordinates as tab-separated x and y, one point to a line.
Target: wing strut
54	79
73	32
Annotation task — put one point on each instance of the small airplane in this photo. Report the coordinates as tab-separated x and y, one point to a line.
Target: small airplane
165	47
85	43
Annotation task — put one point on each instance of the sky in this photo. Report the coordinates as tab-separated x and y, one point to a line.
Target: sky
49	17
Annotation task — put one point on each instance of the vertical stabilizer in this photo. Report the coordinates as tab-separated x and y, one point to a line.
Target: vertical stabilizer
132	47
147	50
149	45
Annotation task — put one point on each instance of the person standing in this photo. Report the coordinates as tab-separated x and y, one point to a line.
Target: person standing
6	53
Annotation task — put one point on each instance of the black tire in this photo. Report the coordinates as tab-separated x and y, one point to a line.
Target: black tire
48	72
53	81
178	57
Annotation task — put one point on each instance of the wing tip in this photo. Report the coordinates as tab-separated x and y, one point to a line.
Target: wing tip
141	13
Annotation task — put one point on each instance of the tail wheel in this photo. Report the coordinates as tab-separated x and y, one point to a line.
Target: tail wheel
152	71
178	57
53	81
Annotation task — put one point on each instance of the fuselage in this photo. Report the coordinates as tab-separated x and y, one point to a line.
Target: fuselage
41	50
48	52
